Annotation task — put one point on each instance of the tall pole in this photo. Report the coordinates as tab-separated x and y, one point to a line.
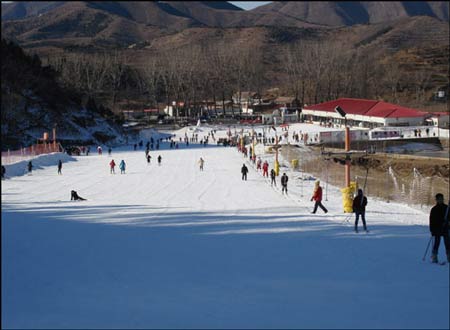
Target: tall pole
277	165
253	143
54	139
326	188
347	160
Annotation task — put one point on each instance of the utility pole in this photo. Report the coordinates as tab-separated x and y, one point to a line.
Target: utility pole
347	158
54	137
277	164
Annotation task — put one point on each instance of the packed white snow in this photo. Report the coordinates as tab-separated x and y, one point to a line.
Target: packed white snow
170	246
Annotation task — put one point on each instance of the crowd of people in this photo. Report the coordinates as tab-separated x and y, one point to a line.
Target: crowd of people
439	214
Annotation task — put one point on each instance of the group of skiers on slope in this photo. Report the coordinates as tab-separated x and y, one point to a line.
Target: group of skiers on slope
359	202
438	220
439	215
122	166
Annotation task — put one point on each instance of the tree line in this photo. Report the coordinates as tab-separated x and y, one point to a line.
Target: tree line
310	71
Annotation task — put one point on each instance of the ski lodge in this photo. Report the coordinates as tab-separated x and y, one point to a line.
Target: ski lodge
370	113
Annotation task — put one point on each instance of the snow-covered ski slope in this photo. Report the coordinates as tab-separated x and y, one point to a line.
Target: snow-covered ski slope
172	247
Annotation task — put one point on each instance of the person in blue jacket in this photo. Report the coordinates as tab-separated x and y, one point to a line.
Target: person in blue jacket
122	167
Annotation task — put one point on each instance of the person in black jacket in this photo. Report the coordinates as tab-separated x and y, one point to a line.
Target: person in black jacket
74	196
284	181
3	171
359	207
273	175
30	166
244	171
59	166
439	225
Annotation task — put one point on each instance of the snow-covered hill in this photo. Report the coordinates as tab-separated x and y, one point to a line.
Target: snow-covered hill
171	246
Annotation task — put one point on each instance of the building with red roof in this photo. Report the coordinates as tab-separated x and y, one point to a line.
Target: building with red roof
367	113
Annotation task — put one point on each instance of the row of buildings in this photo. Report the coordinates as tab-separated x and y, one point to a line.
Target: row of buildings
359	112
253	108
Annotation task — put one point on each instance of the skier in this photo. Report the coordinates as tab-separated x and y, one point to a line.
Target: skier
201	162
244	171
30	167
317	197
59	166
74	196
272	177
258	164
3	172
439	226
359	207
159	160
112	164
266	169
109	151
122	166
284	181
99	150
148	158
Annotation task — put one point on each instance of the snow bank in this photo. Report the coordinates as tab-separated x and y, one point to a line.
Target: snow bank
39	162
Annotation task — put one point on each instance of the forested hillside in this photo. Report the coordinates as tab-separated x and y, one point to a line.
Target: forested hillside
33	102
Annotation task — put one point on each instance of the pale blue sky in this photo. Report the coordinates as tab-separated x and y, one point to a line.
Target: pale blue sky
247	5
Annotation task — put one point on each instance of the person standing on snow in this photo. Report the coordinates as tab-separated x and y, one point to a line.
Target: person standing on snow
99	150
159	160
359	207
30	167
3	171
439	226
317	197
272	177
201	162
148	158
266	169
284	181
258	164
59	166
122	166
244	171
112	164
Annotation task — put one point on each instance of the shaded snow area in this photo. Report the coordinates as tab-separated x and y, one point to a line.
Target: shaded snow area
171	246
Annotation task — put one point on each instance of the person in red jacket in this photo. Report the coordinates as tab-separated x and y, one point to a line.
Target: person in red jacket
317	197
112	164
266	169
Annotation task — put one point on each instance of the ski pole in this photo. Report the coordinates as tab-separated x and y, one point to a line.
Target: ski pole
423	259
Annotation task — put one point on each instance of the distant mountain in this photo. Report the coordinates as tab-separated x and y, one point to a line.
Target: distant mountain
124	23
23	9
146	28
346	13
224	14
